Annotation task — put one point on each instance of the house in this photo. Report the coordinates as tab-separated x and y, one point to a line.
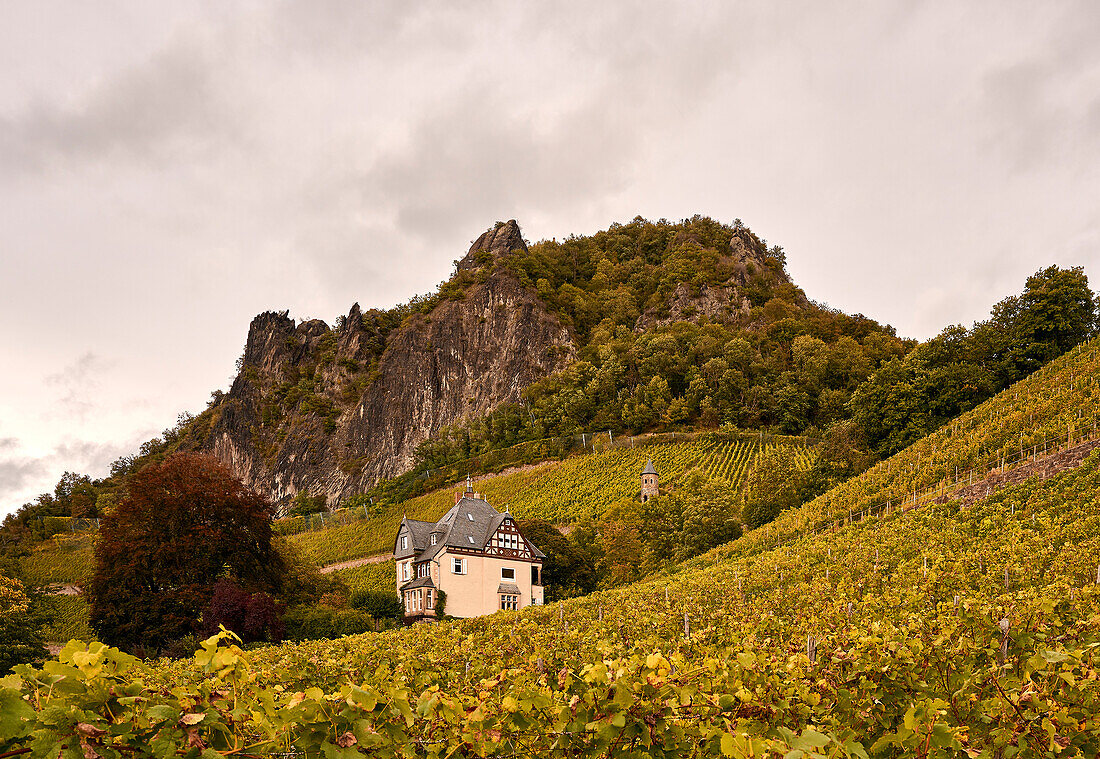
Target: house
474	554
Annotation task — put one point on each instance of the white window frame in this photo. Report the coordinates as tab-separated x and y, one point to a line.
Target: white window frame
460	563
508	569
431	602
509	602
435	539
405	570
404	542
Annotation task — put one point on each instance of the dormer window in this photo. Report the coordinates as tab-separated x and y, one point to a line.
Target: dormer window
470	516
471	538
435	539
404	542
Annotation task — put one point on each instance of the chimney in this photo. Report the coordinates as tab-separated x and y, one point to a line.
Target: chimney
458	497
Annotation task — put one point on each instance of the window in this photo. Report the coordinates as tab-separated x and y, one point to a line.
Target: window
459	567
430	604
509	602
435	538
404	542
471	537
507	573
534	574
470	516
405	571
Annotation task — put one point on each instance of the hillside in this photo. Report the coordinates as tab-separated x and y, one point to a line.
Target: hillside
939	630
645	326
580	487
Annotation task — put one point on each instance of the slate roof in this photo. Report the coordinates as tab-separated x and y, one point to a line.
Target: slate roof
419	582
508	587
468	524
420	532
649	468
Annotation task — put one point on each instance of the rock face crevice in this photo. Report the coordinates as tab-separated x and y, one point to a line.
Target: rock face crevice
331	411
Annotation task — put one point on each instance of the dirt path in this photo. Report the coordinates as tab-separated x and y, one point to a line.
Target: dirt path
377	558
62	589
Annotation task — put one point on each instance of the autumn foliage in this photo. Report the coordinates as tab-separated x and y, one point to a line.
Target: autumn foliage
185	523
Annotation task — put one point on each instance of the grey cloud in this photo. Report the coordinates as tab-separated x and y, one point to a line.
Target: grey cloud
17	472
486	154
77	384
23	477
1036	102
167	105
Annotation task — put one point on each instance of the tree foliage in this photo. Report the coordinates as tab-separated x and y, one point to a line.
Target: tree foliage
567	571
185	523
908	398
20	633
252	616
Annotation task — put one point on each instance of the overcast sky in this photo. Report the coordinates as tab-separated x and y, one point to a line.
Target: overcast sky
168	170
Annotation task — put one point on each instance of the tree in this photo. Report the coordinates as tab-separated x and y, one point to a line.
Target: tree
304	504
252	616
567	571
380	604
20	637
773	484
1055	312
185	523
711	515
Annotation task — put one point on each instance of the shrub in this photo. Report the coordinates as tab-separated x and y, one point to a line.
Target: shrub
253	616
378	604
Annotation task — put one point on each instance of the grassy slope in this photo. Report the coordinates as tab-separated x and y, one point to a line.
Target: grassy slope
905	613
559	491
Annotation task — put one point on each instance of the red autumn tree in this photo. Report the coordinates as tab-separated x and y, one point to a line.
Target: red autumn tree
184	523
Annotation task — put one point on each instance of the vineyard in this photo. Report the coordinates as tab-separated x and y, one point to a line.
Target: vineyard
64	558
576	488
68	618
377	577
1055	407
923	633
939	631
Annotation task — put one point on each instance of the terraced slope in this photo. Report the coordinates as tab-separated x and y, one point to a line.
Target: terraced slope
924	633
933	631
558	491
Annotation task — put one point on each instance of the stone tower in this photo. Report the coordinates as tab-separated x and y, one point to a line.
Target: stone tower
649	481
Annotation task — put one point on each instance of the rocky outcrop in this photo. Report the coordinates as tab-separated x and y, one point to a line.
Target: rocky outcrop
746	262
330	411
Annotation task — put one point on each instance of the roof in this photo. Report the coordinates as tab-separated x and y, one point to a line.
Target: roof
420	533
649	468
508	587
419	582
468	524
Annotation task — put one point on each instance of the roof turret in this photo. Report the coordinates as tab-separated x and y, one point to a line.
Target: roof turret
649	468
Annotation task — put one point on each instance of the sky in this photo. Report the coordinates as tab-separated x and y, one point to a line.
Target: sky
169	170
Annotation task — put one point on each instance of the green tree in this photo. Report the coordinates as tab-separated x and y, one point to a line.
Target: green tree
711	514
773	484
185	523
567	571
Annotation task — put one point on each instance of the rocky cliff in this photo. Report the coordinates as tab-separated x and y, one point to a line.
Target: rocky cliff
331	410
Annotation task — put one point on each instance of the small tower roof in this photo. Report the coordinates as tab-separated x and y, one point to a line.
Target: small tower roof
649	468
